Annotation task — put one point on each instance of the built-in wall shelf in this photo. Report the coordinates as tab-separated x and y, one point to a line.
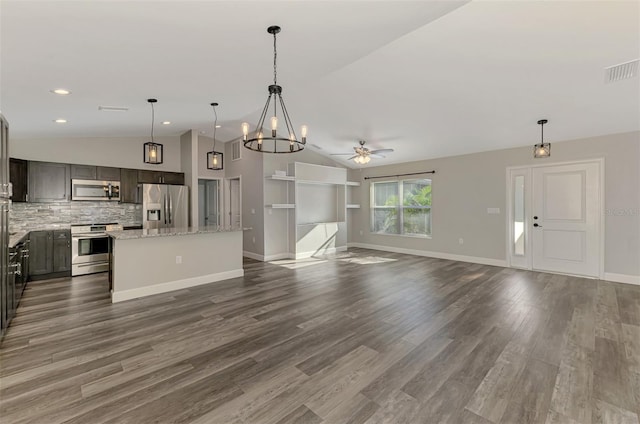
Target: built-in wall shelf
281	177
353	206
281	206
353	183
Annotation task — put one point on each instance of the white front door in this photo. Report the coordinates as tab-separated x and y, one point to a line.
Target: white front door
565	224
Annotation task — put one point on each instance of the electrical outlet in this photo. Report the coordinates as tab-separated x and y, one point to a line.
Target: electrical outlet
270	211
178	259
253	211
361	232
253	240
493	211
460	241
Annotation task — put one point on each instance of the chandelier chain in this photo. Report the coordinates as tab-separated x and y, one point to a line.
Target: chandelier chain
275	56
215	126
153	117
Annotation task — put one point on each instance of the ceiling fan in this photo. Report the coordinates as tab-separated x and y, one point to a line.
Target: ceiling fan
363	155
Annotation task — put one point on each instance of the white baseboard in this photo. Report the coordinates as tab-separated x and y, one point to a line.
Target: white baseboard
622	278
252	255
429	254
174	285
278	257
327	251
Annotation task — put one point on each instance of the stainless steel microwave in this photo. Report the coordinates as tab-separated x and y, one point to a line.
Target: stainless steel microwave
95	190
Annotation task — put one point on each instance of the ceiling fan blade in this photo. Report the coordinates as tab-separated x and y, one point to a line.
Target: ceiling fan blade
377	156
341	154
353	157
378	151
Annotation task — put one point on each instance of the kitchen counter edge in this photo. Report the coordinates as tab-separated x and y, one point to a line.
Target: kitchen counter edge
169	232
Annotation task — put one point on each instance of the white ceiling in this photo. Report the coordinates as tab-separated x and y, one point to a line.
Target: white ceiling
426	78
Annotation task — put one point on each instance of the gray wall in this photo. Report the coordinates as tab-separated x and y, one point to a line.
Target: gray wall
249	168
465	186
119	152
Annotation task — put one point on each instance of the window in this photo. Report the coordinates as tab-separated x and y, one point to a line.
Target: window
401	207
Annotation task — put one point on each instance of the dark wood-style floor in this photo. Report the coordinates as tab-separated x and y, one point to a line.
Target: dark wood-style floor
360	337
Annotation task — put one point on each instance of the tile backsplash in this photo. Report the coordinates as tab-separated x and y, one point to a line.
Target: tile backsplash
27	216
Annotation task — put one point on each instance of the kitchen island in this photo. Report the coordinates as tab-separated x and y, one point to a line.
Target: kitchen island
147	262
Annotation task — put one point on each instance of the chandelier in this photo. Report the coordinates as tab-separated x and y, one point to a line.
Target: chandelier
261	142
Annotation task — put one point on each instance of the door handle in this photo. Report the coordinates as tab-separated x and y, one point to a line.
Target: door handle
537	225
164	208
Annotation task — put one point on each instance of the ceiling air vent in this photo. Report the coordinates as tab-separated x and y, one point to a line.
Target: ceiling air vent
113	108
622	71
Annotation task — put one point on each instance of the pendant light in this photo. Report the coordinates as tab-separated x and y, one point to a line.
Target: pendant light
261	141
152	151
542	150
214	159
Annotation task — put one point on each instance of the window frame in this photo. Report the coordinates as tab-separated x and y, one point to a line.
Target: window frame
400	207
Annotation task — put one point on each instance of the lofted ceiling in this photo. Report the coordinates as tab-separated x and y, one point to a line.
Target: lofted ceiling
426	78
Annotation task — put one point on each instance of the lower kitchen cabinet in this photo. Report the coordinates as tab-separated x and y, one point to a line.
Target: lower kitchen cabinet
50	254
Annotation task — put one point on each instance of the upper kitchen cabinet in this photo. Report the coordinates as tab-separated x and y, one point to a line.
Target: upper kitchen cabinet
173	178
106	173
19	177
49	182
159	177
90	172
149	177
83	172
128	185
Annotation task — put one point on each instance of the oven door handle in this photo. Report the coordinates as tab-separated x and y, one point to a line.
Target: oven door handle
78	237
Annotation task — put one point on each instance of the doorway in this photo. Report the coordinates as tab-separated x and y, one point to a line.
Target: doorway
555	218
233	201
208	202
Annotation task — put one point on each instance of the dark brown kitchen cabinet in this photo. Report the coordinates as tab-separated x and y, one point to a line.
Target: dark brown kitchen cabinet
49	254
61	261
41	253
49	182
107	173
160	177
19	177
83	172
128	185
149	177
173	178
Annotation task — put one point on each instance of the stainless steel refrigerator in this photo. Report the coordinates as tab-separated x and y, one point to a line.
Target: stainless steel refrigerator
164	206
7	306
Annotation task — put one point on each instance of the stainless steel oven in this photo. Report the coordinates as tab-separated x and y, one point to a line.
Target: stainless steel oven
90	248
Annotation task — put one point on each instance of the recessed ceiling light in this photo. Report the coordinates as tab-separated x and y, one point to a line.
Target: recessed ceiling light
60	91
218	126
166	122
60	121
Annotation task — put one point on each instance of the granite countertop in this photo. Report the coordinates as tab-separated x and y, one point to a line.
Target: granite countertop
15	236
167	232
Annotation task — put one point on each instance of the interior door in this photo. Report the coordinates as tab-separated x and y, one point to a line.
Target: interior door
566	219
233	203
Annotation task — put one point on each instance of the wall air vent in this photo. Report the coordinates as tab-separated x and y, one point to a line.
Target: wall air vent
621	72
113	109
236	150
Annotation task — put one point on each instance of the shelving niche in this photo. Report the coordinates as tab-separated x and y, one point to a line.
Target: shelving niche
316	197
